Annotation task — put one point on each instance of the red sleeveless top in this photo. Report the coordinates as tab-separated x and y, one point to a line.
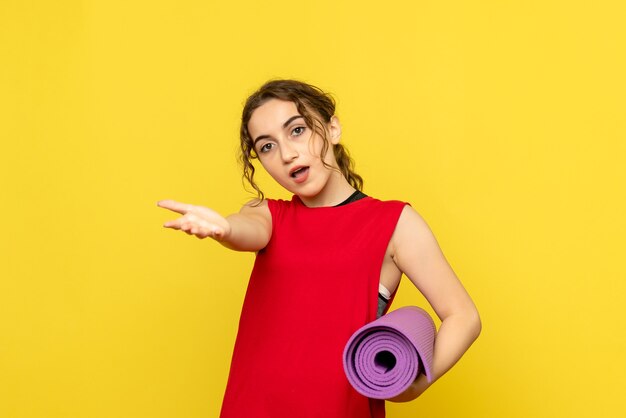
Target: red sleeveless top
311	288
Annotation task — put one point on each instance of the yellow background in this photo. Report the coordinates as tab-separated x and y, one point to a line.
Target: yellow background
502	122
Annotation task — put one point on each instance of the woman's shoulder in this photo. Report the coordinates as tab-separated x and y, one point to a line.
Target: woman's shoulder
266	207
256	207
407	220
394	204
412	230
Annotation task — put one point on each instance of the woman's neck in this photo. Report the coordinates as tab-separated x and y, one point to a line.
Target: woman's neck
336	191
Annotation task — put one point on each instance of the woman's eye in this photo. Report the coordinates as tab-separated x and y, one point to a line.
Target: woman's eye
266	147
298	130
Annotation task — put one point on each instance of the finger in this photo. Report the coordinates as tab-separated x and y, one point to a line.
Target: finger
194	223
203	233
175	206
217	233
185	226
171	224
175	224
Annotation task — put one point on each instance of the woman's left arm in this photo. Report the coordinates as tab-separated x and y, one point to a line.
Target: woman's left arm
417	254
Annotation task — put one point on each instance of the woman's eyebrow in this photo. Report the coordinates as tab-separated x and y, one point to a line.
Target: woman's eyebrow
291	119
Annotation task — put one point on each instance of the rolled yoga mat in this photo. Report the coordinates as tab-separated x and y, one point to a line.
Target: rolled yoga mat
384	357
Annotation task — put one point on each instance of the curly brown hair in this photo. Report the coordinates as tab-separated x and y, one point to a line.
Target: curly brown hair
316	107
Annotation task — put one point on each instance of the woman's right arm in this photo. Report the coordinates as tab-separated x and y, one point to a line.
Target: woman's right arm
248	230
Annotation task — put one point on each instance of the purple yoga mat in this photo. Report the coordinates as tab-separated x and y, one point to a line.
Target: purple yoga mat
384	357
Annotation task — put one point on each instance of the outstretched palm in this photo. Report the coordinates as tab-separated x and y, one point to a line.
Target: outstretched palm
196	220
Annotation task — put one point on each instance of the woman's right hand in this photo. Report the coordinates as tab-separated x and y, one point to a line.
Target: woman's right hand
197	220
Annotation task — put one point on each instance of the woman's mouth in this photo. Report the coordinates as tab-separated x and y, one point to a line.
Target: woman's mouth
300	174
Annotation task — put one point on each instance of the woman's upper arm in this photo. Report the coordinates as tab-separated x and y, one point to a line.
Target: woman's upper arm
418	255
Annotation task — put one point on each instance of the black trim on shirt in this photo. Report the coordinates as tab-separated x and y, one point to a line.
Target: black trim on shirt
357	195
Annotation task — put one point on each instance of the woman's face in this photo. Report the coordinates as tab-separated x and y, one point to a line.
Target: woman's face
289	150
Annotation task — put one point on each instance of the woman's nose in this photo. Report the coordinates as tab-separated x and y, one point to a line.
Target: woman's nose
288	152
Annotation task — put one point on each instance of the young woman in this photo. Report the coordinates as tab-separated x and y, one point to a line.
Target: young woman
328	261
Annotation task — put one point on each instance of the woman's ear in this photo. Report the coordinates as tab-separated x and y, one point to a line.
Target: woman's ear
334	130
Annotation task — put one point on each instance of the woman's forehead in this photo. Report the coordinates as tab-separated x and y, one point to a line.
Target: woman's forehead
271	115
